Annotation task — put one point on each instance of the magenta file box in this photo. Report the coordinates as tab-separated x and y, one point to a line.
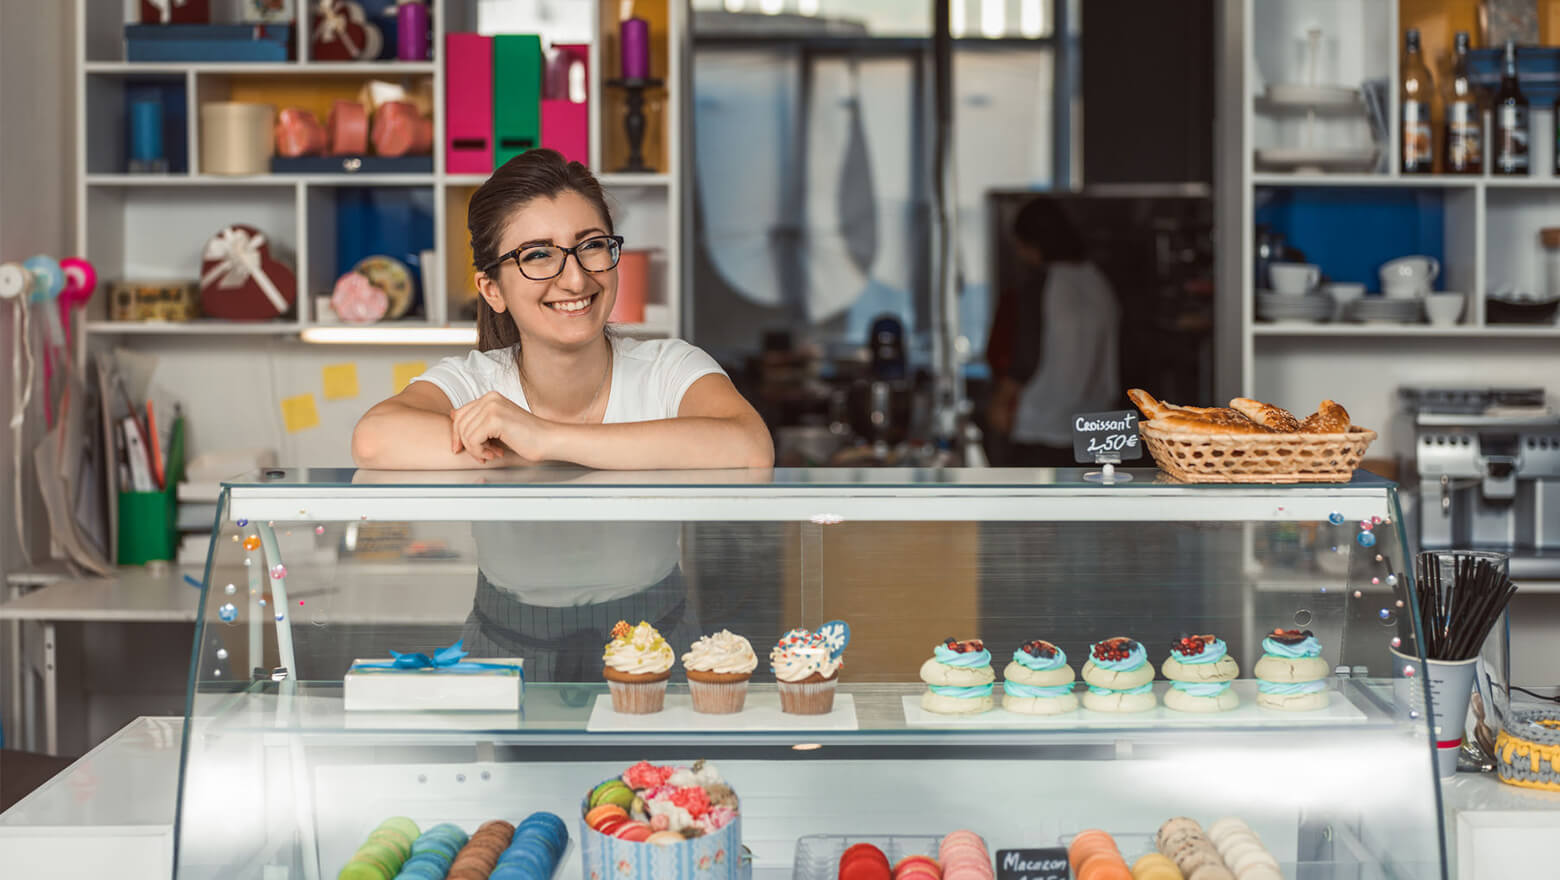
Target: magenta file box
468	130
566	128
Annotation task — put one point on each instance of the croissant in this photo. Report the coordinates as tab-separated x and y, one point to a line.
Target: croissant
1330	418
1277	418
1211	420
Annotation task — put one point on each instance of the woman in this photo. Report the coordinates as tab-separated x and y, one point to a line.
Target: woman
1054	354
548	382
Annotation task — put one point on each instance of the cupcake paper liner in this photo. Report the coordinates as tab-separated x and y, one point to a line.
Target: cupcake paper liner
638	698
722	698
807	698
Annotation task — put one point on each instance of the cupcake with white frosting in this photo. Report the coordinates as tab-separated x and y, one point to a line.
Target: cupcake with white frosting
638	663
807	667
719	667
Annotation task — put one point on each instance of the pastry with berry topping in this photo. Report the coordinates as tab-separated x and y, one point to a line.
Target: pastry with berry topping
1038	681
1119	677
1292	675
638	663
958	678
1201	670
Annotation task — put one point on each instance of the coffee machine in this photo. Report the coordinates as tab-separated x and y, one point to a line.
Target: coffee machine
1488	464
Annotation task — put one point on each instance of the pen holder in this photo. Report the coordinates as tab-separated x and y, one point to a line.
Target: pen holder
147	526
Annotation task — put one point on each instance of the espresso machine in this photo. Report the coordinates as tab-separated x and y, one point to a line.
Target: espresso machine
1488	470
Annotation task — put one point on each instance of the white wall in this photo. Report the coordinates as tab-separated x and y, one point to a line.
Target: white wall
37	95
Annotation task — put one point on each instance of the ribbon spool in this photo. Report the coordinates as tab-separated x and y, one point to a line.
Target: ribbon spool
14	280
348	126
80	282
48	279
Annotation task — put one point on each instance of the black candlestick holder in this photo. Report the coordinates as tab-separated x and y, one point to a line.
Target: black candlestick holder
634	120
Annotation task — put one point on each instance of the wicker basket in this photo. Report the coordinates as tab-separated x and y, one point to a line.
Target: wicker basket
1256	458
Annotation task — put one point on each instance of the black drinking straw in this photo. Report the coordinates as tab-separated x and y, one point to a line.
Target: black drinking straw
1456	617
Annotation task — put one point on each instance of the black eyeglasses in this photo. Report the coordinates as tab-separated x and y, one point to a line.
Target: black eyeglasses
539	262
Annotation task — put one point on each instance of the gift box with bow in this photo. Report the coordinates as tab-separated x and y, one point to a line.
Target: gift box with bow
444	682
175	11
342	32
240	279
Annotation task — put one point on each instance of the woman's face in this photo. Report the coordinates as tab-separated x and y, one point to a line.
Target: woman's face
567	311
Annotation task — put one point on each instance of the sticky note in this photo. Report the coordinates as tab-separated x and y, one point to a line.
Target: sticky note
404	373
299	413
340	381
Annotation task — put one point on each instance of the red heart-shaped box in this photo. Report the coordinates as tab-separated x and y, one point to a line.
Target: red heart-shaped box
229	290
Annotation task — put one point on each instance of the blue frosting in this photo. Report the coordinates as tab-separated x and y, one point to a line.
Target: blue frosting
1299	687
1137	690
1040	664
1310	647
962	693
1213	652
1014	689
970	660
1202	689
1135	659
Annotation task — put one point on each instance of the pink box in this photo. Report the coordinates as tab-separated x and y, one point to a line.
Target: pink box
468	128
566	128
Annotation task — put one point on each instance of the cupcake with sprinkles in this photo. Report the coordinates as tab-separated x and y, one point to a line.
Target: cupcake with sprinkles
958	678
1038	681
807	666
1201	670
638	663
1119	677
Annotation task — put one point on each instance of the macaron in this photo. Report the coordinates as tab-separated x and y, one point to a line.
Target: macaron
633	832
863	850
515	872
613	791
357	870
1179	823
380	854
1221	827
912	861
865	869
1105	869
598	815
665	838
1261	872
1155	866
402	824
1211	872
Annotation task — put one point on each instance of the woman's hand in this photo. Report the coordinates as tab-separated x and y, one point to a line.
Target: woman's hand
493	427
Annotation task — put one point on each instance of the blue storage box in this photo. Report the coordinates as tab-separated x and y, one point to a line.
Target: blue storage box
209	42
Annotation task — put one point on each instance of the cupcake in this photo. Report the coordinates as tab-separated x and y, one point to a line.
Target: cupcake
807	667
719	667
1038	681
958	678
1291	675
1201	669
1119	677
638	665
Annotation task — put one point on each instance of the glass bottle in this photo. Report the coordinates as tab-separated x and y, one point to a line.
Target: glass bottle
1510	112
1464	153
1416	92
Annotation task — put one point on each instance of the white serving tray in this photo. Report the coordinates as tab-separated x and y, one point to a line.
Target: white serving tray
1248	714
761	713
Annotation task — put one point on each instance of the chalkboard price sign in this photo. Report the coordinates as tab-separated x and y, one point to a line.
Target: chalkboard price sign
1049	863
1106	436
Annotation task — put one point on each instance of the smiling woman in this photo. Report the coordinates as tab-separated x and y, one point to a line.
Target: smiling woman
548	382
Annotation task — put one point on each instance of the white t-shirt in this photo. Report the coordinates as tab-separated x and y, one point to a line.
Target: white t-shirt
561	564
1078	369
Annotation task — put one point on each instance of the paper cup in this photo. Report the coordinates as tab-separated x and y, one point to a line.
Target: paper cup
1450	683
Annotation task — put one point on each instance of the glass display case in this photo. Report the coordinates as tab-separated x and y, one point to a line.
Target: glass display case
314	570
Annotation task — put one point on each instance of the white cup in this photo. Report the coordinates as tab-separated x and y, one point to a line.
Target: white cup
1418	272
1343	293
1451	687
1401	289
1444	309
1294	279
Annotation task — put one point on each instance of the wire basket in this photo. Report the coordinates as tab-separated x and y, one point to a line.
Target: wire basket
818	855
1197	457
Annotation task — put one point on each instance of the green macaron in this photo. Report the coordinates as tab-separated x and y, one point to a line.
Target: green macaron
612	791
379	854
395	840
362	870
402	824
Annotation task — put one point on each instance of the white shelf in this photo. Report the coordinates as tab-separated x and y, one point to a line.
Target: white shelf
192	328
316	68
608	179
1364	180
1544	181
1497	331
153	180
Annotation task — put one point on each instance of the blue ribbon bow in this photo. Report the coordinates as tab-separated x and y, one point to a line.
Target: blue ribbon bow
451	659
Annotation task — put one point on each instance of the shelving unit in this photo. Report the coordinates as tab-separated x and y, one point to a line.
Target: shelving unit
1483	228
152	226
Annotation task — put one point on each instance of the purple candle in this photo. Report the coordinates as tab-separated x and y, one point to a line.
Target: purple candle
634	34
411	24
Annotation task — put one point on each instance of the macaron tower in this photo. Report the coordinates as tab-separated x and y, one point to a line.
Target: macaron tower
1201	669
1292	676
964	856
1038	681
807	667
1119	677
958	678
1093	855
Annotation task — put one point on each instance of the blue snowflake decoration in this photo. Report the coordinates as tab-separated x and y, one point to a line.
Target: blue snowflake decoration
836	635
1335	518
1366	539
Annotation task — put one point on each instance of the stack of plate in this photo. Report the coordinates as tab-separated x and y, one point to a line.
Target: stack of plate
1382	310
1311	308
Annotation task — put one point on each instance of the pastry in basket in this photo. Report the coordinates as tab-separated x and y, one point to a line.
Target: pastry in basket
1266	414
1119	677
1038	681
958	678
1329	418
1201	669
1209	420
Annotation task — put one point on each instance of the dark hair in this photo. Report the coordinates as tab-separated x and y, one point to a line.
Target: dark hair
1043	225
531	175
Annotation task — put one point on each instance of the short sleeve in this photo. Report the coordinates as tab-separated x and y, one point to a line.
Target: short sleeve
462	379
679	366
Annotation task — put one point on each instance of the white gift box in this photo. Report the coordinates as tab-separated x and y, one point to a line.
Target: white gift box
500	689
